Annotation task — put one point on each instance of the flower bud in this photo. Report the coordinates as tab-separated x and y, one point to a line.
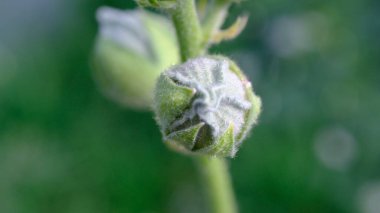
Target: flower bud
205	106
132	49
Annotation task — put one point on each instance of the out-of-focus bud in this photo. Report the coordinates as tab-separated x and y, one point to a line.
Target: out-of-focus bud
132	49
205	106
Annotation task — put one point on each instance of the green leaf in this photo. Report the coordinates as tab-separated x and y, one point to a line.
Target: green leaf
224	146
170	100
185	138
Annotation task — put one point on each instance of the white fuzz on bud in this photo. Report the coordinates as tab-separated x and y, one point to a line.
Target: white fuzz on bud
205	105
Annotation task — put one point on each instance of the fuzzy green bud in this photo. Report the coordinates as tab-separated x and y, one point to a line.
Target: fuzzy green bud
205	106
132	48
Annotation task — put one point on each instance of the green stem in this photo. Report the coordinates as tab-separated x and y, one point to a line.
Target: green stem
216	180
189	32
214	171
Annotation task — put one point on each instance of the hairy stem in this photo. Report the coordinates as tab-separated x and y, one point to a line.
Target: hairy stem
214	171
216	180
189	32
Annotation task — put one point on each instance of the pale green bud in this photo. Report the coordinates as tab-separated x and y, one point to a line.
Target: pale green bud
206	106
132	48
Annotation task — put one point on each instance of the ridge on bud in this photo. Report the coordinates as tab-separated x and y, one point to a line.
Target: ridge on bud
206	106
132	48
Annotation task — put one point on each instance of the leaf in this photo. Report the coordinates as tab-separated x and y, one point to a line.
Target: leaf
170	100
185	138
231	32
224	146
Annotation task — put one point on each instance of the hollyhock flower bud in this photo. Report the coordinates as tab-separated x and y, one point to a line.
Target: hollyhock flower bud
132	48
205	106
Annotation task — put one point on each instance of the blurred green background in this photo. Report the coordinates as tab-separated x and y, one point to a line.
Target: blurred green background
66	148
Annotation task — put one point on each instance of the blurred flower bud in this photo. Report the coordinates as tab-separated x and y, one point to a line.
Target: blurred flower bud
132	49
205	106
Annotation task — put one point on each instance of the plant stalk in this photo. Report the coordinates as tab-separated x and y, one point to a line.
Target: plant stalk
216	180
189	32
